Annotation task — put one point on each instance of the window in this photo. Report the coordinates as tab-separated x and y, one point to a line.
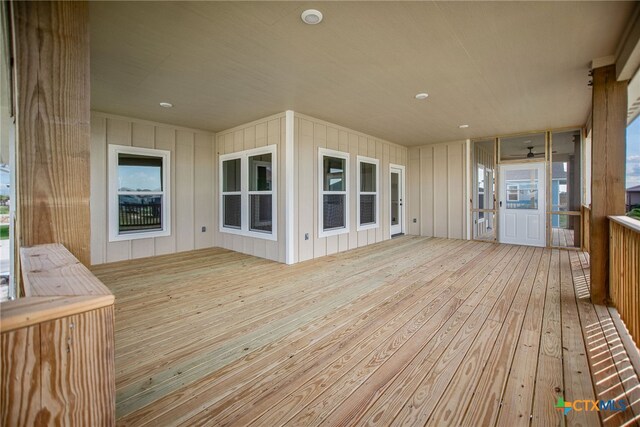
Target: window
481	177
334	199
138	193
247	193
522	188
368	184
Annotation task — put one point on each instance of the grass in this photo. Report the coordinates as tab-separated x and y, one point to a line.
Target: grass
4	232
4	210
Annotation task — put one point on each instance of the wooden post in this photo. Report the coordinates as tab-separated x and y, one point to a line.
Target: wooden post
51	43
608	149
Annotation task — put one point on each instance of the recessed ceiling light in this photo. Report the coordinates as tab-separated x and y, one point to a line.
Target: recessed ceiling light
311	16
166	104
463	126
422	95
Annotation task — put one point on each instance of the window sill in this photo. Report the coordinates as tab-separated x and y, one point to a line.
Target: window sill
334	232
367	227
254	234
139	235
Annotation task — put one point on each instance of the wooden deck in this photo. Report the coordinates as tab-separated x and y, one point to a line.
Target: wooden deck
412	331
562	237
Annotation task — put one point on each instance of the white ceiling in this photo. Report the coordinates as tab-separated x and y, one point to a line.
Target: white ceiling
501	67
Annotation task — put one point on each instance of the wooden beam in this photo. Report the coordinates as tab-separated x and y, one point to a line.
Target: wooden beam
52	123
608	148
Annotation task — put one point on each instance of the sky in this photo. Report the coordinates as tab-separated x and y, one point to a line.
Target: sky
139	178
633	154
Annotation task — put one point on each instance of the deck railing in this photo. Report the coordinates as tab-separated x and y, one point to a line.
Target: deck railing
57	344
135	215
624	271
585	217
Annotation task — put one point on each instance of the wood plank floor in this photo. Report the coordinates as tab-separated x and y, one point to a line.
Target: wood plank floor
412	331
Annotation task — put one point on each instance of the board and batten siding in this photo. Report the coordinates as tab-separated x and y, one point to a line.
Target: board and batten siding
437	181
310	134
260	133
191	189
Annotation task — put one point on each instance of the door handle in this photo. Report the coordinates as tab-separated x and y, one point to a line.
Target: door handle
500	203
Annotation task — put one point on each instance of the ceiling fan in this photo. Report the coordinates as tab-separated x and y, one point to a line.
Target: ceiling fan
529	155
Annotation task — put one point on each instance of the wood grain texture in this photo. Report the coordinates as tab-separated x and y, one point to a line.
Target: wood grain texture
56	285
20	397
52	123
52	270
58	344
608	145
78	375
418	331
624	275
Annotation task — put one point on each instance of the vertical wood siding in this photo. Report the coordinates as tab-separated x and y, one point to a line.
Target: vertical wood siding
192	171
311	134
436	185
260	133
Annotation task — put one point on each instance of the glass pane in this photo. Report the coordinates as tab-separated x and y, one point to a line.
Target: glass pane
565	172
565	231
232	210
139	213
334	174
524	147
231	175
367	209
260	173
261	213
333	211
139	173
485	182
522	189
484	226
395	199
367	177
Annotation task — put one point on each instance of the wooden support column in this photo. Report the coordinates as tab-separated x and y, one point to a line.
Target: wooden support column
608	149
51	49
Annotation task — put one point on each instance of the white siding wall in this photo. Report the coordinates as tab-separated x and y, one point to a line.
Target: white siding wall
437	181
192	166
311	134
267	131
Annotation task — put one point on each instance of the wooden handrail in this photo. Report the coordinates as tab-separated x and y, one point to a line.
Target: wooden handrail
58	344
56	285
624	271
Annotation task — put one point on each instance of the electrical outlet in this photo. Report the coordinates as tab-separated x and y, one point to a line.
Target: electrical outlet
306	236
415	220
204	229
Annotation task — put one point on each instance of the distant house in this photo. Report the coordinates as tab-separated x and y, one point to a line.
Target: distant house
633	197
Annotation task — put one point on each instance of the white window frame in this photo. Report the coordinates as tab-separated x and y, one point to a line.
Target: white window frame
516	188
376	162
322	153
113	205
245	194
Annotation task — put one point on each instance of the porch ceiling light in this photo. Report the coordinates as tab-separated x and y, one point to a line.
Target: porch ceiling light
463	126
311	16
166	104
422	95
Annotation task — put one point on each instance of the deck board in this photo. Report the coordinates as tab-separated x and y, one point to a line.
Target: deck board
413	331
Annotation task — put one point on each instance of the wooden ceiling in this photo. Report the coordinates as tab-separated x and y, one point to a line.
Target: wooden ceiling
500	67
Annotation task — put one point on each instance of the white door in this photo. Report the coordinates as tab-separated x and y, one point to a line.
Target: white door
522	204
397	195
